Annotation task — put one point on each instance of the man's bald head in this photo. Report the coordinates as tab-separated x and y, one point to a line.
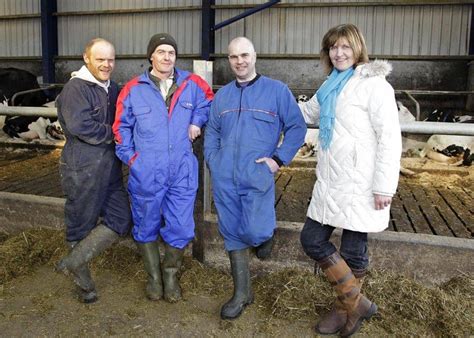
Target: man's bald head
241	42
242	59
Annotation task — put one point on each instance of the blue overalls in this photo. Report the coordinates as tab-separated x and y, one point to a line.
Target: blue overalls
153	140
245	124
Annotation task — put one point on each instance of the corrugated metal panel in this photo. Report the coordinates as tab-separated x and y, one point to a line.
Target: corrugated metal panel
130	32
91	5
20	37
15	7
242	2
390	30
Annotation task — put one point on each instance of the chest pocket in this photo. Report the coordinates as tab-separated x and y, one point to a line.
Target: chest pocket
144	125
263	125
98	114
186	105
186	108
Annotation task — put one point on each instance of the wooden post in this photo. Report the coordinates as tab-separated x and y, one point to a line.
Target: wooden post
203	204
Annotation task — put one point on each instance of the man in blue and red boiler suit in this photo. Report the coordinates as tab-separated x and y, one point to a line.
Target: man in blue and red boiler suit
159	115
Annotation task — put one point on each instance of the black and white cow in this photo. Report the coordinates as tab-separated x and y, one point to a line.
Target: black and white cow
12	81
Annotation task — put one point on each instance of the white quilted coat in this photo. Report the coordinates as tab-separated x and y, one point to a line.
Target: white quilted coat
364	156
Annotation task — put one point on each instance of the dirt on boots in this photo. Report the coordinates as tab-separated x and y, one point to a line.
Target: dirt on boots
150	253
243	296
82	252
171	264
81	277
356	306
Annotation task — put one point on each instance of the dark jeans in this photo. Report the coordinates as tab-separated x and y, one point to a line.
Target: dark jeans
315	240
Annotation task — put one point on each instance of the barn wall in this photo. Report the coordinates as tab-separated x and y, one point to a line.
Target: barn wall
416	30
389	30
428	45
20	29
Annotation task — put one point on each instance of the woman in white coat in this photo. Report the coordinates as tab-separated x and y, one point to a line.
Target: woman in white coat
357	172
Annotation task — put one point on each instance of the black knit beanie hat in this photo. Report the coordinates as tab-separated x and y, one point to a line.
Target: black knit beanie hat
160	39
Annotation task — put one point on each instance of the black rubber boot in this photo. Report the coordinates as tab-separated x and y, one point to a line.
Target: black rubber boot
243	296
99	239
151	259
86	286
265	249
171	265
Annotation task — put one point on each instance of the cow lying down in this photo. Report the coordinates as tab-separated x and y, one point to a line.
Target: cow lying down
310	145
450	149
42	129
19	87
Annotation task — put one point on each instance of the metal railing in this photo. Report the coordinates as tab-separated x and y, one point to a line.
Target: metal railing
28	111
42	89
415	127
412	93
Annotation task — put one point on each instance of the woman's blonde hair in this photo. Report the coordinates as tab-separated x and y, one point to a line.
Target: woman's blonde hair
354	37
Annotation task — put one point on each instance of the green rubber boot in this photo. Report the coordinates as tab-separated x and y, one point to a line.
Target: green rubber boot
82	278
76	263
243	296
150	253
171	265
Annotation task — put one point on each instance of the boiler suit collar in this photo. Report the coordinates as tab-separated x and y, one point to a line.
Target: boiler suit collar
237	84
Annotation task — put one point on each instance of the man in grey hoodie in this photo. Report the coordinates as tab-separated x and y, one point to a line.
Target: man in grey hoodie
97	208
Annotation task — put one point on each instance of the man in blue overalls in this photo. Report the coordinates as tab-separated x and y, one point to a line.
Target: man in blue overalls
159	114
241	148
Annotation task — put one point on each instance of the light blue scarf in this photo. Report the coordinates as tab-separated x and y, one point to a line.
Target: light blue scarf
327	95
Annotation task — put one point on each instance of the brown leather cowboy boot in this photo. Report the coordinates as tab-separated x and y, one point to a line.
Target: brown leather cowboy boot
333	321
351	307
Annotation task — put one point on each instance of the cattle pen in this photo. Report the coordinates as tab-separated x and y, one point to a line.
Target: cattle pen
431	212
421	274
429	242
426	250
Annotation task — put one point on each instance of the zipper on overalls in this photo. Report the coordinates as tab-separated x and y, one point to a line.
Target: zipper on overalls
237	134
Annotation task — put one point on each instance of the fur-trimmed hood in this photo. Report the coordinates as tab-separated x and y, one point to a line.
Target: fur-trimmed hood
375	68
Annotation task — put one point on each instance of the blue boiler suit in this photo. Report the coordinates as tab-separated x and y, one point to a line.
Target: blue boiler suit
153	140
245	124
91	174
